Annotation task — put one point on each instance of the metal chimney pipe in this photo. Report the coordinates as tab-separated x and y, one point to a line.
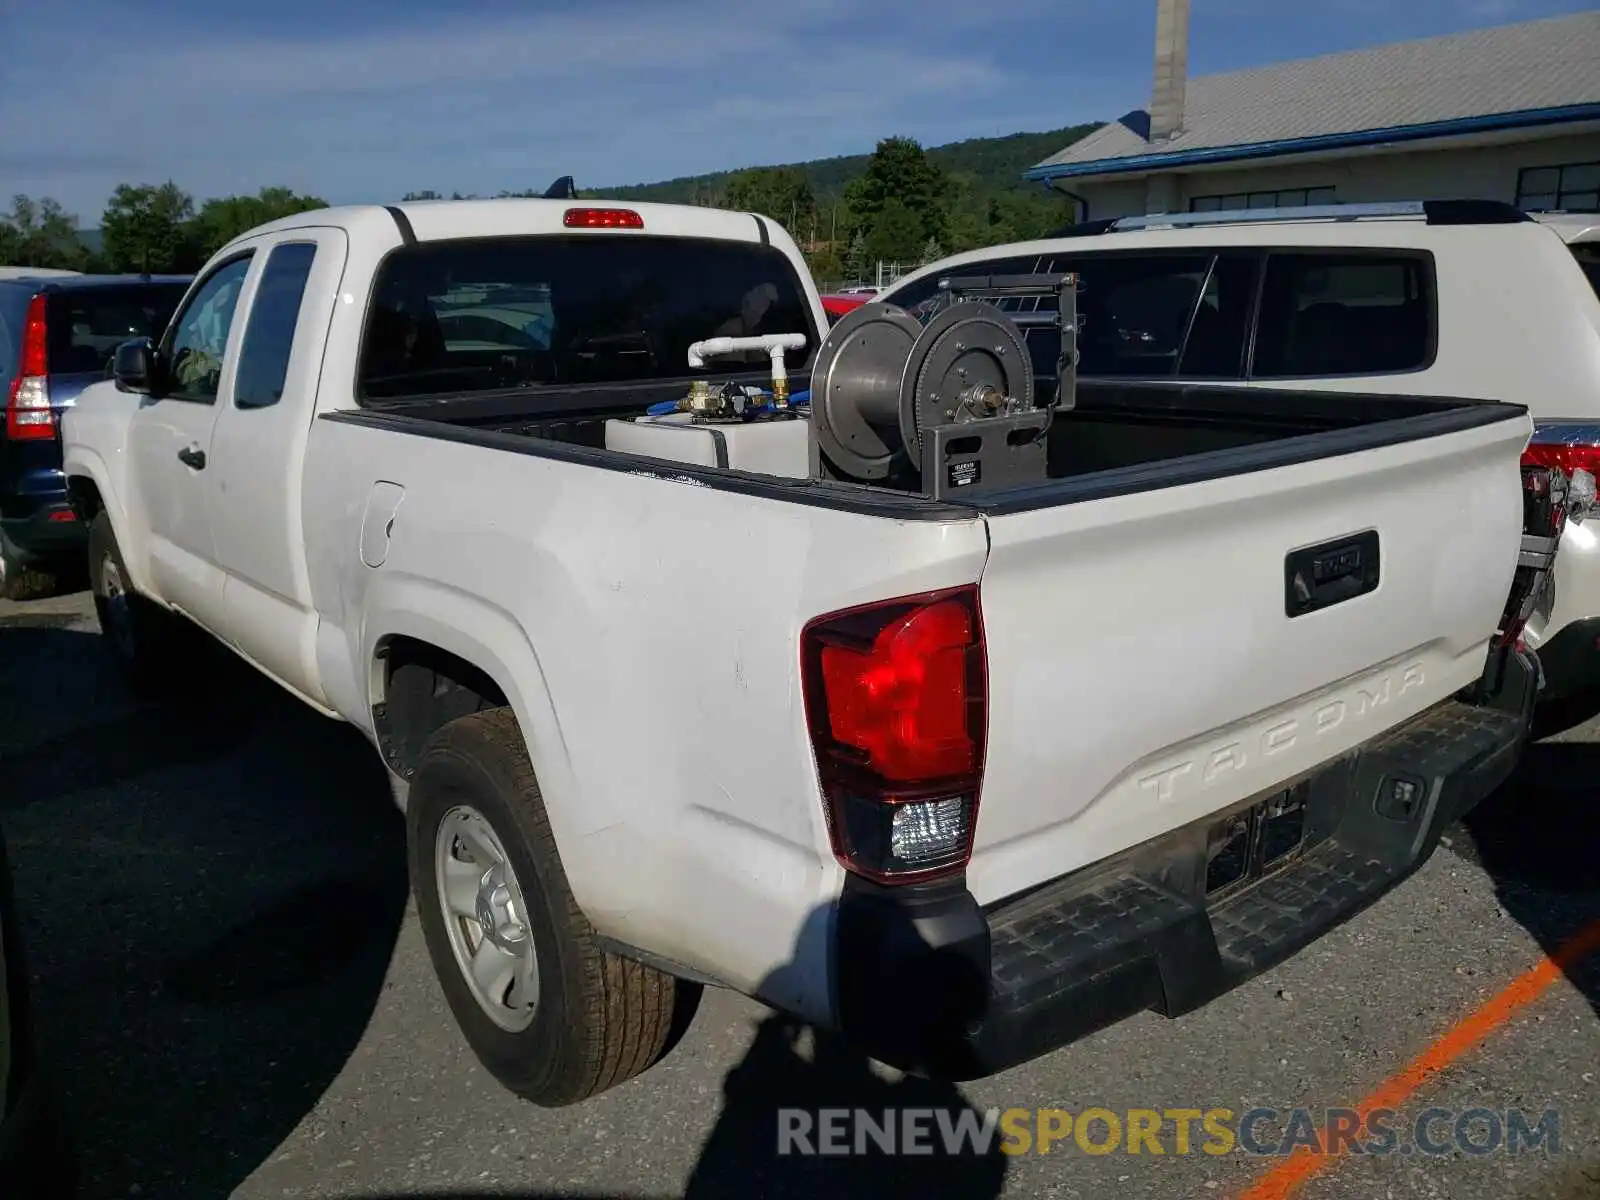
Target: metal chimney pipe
1172	69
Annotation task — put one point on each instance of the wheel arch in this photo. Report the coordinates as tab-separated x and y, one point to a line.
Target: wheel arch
90	492
434	654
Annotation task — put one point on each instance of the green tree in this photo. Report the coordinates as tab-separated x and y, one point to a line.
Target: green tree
782	193
410	196
900	171
897	233
41	234
146	227
931	252
221	220
825	265
858	260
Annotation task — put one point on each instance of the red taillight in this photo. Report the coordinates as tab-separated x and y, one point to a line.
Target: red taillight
902	701
602	218
896	704
28	413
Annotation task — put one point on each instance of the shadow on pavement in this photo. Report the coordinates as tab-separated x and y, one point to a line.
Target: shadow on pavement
210	889
1538	838
790	1066
741	1157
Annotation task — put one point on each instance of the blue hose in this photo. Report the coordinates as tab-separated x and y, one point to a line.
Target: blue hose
797	400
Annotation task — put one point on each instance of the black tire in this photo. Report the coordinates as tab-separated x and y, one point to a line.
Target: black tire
600	1019
148	644
21	579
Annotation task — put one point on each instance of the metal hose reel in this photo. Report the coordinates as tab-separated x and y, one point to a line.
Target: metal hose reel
855	389
950	403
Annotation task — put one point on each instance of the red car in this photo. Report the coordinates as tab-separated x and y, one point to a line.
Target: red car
837	306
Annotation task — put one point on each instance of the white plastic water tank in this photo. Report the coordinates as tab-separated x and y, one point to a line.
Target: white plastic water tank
780	447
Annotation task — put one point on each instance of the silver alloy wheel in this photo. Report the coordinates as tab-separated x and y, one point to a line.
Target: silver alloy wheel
486	919
117	614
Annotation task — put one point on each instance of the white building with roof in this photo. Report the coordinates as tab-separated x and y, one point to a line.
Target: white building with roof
1510	113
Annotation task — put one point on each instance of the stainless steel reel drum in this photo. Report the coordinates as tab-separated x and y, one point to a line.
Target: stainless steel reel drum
881	379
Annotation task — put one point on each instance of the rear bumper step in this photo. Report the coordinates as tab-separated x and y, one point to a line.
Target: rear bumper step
930	982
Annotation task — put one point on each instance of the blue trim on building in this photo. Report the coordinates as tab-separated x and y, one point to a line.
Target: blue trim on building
1529	119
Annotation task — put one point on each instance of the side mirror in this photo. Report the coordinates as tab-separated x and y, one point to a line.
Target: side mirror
136	367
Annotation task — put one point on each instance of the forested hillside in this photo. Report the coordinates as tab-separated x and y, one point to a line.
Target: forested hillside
958	196
900	204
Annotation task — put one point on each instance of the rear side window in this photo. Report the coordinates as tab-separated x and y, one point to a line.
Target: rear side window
269	332
86	325
1356	314
498	313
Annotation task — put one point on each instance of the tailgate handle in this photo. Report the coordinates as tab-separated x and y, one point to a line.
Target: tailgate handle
1331	573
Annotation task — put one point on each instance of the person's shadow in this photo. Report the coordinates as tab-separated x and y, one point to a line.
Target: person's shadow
772	1135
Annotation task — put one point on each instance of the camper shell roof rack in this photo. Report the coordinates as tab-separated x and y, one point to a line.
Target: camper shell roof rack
1435	212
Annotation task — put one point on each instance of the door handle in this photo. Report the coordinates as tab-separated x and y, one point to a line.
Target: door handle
193	456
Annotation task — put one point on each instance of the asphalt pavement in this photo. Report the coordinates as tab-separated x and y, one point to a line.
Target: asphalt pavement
236	1000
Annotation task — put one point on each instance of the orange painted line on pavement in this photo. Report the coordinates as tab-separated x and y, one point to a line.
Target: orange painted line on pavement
1303	1164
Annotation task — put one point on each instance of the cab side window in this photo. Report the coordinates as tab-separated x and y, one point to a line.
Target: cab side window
200	334
269	331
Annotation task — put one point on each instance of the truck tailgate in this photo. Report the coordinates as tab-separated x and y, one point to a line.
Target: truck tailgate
1144	666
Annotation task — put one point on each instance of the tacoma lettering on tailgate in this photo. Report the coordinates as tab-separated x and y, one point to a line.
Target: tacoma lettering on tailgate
1204	767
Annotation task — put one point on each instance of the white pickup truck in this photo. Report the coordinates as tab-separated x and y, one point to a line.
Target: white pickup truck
692	676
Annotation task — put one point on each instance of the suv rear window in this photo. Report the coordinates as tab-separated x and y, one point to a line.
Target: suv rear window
86	325
498	313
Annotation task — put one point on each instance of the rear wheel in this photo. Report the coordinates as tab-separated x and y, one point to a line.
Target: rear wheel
553	1016
147	643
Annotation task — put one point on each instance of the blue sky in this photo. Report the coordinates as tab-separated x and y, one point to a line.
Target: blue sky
363	100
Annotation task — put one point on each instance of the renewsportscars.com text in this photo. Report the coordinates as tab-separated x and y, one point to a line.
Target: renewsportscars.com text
1264	1132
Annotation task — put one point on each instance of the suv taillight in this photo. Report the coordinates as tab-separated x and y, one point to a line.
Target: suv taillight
1545	450
29	416
1559	469
897	709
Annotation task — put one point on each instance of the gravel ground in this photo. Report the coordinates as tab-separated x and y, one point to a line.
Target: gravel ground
236	1000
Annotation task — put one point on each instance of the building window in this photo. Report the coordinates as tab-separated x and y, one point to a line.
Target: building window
1572	188
1286	198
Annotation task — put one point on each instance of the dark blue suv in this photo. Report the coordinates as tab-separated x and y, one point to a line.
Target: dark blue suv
57	335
